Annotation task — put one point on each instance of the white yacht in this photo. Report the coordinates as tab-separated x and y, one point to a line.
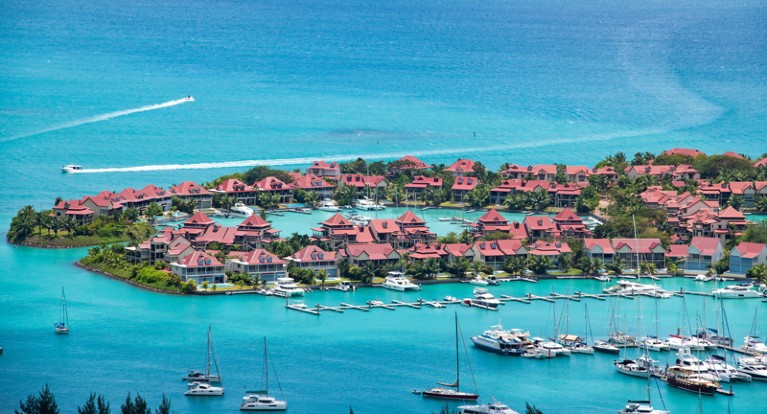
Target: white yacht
505	342
203	389
605	347
652	343
240	210
640	407
494	407
753	344
329	205
287	287
366	204
717	365
258	402
754	367
678	342
685	359
627	287
479	281
632	368
397	281
71	168
740	290
553	349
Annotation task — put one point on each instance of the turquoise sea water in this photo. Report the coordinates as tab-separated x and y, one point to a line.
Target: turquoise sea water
289	82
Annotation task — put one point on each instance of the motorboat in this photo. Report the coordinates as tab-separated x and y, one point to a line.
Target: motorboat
686	360
398	281
712	336
479	281
753	344
603	278
198	376
492	280
240	210
451	299
632	368
652	343
287	287
366	204
641	407
345	286
704	278
534	352
494	407
629	288
358	220
678	342
433	303
71	168
329	205
482	293
553	349
504	342
372	303
605	347
575	344
717	365
203	389
754	367
623	340
687	380
740	290
189	98
489	304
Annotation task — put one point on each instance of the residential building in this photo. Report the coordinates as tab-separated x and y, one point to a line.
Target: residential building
189	190
200	267
325	170
600	249
238	190
274	186
314	258
420	183
703	253
317	184
635	251
461	168
746	255
375	253
259	262
461	187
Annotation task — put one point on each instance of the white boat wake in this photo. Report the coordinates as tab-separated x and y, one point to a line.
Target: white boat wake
103	117
377	156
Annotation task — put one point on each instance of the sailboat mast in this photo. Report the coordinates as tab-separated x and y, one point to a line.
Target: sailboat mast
207	364
266	367
457	366
636	248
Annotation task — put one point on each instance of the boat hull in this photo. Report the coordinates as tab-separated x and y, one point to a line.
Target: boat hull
447	394
702	389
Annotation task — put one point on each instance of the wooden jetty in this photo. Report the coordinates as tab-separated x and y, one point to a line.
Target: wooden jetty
513	299
574	298
590	296
401	303
531	297
330	308
381	305
739	350
302	308
689	292
349	306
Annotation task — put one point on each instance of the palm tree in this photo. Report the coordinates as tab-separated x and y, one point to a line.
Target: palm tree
540	264
459	267
69	224
515	265
322	275
312	198
539	200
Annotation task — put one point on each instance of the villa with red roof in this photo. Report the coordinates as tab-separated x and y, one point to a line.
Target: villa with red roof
314	258
325	170
259	262
189	190
253	232
746	255
491	222
761	163
687	152
419	184
702	253
570	225
461	187
238	190
518	231
540	227
553	250
311	182
461	168
645	250
274	186
577	173
385	231
413	229
75	210
495	253
167	247
141	199
514	186
600	249
363	182
685	172
656	171
336	231
218	234
607	171
200	267
564	195
376	253
411	163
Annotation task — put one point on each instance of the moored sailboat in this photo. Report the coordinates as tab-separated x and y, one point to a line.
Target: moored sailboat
261	400
202	377
62	327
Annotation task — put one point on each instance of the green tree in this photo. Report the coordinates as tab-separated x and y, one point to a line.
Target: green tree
130	214
758	272
478	197
312	198
137	406
94	405
539	200
152	211
760	203
43	403
532	409
515	201
164	407
515	265
459	266
540	264
345	195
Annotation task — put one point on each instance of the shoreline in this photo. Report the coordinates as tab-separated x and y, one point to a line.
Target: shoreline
131	282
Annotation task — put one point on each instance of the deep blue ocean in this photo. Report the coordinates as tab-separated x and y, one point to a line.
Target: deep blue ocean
287	82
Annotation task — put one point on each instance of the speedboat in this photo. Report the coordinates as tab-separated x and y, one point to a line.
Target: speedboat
479	281
603	278
704	278
754	367
240	210
717	365
329	205
287	287
498	340
494	407
189	98
451	299
740	290
258	402
553	349
605	347
627	287
71	168
489	304
366	204
397	281
345	286
203	389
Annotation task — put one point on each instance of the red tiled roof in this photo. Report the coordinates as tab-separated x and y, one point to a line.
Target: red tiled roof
422	181
272	184
493	217
374	251
646	246
761	163
361	181
200	259
313	253
188	188
549	249
731	213
311	182
199	219
254	221
567	215
462	165
337	220
415	163
604	244
677	250
682	151
750	250
734	155
324	165
384	226
518	230
706	245
218	234
538	223
465	183
233	185
261	256
409	218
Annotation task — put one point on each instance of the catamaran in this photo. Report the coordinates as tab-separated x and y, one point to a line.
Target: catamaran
202	377
261	400
63	326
